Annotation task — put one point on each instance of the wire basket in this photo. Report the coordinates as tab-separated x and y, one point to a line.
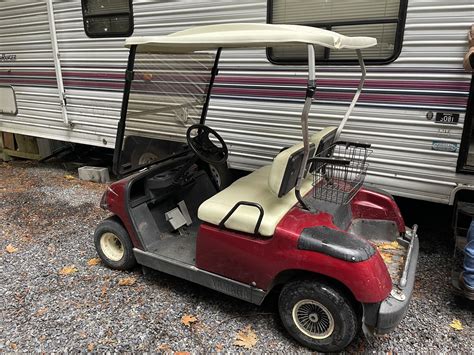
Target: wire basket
339	172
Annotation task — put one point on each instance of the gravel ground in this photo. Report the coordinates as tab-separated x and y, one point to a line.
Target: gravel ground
50	220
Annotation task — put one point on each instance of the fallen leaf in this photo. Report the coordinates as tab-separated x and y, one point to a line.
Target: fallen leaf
188	319
90	347
182	353
41	311
104	290
93	261
456	324
246	338
69	177
390	246
219	347
11	249
386	257
127	281
164	347
67	270
13	346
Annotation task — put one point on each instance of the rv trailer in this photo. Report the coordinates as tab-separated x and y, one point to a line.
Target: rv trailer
416	109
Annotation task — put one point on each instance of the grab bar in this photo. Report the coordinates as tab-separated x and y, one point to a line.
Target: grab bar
244	203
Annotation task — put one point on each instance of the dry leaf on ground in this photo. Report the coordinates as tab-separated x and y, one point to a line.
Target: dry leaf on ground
11	249
164	347
389	246
90	347
182	353
246	338
456	324
13	346
386	257
104	290
188	319
69	177
219	347
127	281
93	261
41	311
67	270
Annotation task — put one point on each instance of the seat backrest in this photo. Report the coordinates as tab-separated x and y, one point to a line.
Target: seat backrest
322	140
285	168
286	165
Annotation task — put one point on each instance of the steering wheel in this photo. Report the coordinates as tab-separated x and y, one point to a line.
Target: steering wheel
203	147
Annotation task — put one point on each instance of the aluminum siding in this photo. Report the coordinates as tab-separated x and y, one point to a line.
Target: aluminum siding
256	105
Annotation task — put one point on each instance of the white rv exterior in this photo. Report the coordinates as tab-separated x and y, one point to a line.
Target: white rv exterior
69	87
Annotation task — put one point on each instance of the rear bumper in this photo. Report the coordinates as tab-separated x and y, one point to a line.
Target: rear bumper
383	317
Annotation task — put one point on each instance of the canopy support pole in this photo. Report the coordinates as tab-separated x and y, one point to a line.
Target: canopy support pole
310	90
356	96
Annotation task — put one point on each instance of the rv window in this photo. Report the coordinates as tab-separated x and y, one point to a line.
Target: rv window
382	19
107	18
7	101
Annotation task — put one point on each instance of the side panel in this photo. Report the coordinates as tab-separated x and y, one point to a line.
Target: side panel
256	105
258	261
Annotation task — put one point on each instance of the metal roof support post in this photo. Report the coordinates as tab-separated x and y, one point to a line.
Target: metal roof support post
310	90
356	96
57	62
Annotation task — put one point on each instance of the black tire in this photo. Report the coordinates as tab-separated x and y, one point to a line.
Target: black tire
307	297
112	225
221	175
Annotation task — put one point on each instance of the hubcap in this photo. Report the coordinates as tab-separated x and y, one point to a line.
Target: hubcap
146	158
313	319
111	246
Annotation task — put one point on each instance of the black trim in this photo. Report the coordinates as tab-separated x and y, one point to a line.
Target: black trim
215	70
467	134
329	160
123	113
127	33
402	14
335	243
244	203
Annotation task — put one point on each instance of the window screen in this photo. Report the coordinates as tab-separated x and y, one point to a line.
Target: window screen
382	19
107	18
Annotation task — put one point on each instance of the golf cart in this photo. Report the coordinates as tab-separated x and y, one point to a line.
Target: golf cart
337	253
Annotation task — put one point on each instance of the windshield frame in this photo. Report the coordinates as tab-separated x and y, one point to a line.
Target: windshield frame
120	137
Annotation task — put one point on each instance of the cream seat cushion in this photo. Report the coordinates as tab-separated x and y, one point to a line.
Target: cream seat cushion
254	188
263	187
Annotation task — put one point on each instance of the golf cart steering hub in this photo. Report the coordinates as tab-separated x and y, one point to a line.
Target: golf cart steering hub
203	147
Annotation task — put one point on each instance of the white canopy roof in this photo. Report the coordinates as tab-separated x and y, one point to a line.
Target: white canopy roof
240	35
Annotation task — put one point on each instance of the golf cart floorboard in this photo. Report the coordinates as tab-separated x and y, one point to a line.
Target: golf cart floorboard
177	247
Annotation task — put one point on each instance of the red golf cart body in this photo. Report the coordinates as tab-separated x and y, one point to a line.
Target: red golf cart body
268	228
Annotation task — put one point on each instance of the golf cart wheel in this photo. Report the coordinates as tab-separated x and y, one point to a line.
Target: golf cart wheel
113	244
221	175
318	315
